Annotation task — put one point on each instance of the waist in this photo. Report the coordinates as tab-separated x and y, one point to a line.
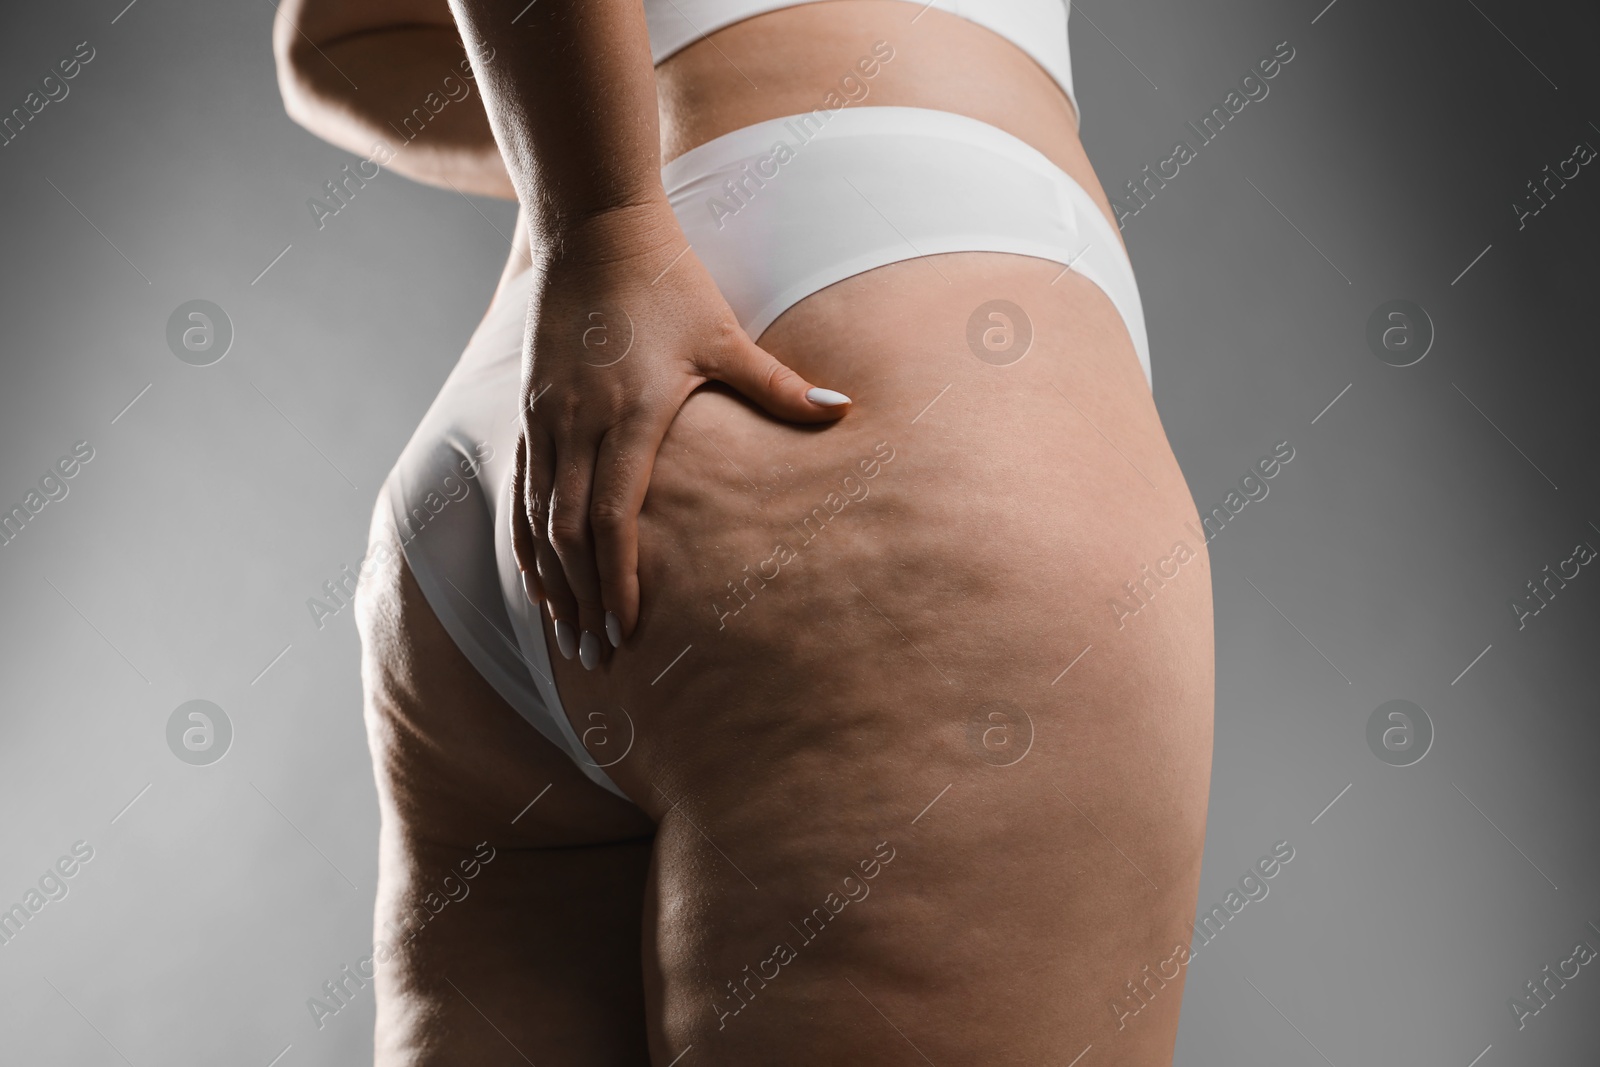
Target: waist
861	53
849	54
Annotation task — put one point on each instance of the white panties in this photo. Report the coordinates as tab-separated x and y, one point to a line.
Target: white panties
781	209
861	189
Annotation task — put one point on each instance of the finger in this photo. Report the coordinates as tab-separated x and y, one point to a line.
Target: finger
558	598
622	477
759	375
568	531
522	536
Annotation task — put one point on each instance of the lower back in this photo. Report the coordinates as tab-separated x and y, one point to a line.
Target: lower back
790	61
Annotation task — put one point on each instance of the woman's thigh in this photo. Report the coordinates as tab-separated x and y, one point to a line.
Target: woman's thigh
922	700
510	887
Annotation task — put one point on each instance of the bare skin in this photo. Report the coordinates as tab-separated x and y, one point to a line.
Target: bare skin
840	723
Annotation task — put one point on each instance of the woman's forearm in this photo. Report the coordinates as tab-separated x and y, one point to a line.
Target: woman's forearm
407	86
570	91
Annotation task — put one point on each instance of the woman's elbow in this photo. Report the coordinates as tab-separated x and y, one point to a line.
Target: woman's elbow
299	65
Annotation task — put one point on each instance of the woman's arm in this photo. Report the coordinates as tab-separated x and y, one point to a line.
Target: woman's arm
355	72
570	90
571	95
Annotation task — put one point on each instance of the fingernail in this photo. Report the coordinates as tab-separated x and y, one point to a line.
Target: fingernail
528	588
566	638
827	398
589	651
614	629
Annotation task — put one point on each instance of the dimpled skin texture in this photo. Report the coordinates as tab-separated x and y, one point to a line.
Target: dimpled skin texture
853	860
826	700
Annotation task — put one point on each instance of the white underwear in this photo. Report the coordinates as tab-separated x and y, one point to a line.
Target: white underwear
781	209
869	187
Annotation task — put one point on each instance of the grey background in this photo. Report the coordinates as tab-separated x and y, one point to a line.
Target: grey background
179	565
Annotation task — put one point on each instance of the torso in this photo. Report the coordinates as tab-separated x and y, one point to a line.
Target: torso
786	61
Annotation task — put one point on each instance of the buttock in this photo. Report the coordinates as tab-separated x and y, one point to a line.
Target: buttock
943	184
892	679
975	480
901	635
934	641
920	701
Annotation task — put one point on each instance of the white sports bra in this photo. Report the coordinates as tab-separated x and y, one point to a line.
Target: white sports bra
1038	27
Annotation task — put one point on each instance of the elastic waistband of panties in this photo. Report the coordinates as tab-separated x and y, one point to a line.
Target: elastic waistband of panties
900	145
756	139
852	122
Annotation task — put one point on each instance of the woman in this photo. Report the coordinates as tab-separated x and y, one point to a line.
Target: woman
879	730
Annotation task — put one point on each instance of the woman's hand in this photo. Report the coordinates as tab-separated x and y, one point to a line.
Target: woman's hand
623	324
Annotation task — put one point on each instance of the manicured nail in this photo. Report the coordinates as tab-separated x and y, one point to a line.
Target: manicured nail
614	629
589	651
827	398
529	589
566	638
